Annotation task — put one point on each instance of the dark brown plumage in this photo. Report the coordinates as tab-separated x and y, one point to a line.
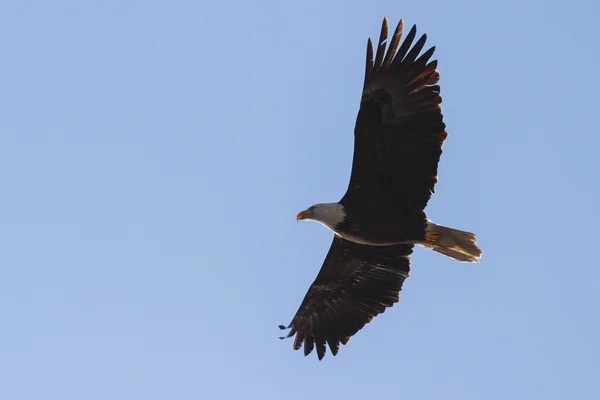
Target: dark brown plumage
398	141
343	299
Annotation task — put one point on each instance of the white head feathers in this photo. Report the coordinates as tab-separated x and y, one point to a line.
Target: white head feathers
328	214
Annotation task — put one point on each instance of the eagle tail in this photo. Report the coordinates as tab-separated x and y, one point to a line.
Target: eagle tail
453	243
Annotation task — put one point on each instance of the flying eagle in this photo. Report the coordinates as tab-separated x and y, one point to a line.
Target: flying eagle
398	140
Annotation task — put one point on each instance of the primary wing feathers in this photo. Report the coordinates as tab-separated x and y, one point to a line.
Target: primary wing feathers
399	129
355	284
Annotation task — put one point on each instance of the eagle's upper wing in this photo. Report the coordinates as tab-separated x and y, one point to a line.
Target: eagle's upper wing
399	130
355	283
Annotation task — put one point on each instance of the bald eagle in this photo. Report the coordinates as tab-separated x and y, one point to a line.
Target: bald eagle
398	140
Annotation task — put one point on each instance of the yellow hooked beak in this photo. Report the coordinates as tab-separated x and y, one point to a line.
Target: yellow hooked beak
303	215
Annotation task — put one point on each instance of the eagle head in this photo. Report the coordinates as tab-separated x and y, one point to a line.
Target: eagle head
328	214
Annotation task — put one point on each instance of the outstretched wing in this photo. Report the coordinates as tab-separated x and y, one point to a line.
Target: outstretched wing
399	130
355	284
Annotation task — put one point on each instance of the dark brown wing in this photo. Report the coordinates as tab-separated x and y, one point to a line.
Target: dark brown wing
355	284
399	129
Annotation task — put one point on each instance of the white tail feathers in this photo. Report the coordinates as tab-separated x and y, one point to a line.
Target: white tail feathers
459	245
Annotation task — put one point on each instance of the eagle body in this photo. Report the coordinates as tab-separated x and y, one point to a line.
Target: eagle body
398	140
372	227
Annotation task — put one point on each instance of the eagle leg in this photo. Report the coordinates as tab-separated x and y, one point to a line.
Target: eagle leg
432	236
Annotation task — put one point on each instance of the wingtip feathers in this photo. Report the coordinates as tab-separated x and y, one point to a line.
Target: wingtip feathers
391	52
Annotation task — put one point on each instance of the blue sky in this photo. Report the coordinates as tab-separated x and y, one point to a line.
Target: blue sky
154	155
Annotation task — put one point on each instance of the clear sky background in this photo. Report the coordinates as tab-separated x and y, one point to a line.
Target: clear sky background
154	155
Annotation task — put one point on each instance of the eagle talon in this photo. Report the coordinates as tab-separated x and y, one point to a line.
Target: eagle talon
432	236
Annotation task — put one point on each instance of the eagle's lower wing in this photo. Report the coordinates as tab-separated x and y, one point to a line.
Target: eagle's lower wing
399	130
355	284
